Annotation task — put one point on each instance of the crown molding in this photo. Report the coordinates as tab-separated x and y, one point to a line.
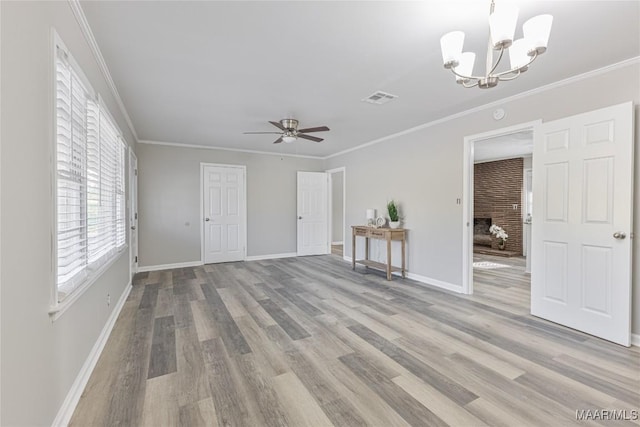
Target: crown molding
554	85
95	49
238	150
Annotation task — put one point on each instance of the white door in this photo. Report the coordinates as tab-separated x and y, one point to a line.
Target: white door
224	213
313	229
581	249
133	210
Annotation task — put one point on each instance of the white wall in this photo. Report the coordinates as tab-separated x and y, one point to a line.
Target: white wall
169	201
40	358
423	171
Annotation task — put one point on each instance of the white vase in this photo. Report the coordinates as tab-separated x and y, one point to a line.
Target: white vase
394	224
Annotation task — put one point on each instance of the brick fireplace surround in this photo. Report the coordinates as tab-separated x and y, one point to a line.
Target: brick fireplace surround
497	187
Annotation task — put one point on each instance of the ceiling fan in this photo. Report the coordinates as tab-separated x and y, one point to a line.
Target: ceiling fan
290	132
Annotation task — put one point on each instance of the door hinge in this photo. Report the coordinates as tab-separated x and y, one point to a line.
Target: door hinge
135	171
136	259
135	216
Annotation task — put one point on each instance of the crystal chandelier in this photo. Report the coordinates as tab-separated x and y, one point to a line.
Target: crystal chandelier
502	25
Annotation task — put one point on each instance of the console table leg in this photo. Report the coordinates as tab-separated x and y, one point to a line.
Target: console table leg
388	259
353	251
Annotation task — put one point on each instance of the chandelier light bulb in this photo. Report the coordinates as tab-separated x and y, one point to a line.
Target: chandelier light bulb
536	32
467	59
502	23
451	45
518	54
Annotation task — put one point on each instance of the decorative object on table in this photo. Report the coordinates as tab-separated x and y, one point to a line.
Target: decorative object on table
500	234
381	222
394	218
502	26
371	217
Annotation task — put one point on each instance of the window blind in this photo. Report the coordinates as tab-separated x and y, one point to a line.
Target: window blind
89	181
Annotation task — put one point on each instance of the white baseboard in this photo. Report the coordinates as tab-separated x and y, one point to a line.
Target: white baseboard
635	340
73	396
169	266
337	243
271	256
423	279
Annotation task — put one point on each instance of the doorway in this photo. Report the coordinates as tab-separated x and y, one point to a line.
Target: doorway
224	215
337	204
500	201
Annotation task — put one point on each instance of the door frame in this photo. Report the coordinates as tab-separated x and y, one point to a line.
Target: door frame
133	185
467	194
330	172
244	205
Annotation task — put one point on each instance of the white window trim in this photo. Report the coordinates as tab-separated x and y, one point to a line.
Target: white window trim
57	308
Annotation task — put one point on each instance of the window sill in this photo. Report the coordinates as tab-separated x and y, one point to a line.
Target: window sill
56	310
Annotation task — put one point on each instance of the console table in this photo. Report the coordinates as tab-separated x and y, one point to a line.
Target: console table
388	234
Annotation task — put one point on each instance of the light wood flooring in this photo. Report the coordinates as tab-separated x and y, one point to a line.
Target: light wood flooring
309	342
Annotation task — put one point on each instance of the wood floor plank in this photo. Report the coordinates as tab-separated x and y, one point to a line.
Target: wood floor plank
163	348
160	402
228	401
231	335
408	407
303	409
290	326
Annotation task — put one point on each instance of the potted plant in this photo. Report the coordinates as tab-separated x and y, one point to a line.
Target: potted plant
500	234
394	218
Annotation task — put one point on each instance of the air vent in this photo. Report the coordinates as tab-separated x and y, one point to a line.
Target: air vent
379	98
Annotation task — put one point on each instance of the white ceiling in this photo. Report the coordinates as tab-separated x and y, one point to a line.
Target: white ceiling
202	73
519	144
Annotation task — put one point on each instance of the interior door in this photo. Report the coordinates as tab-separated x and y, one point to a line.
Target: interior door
133	210
313	230
583	197
224	214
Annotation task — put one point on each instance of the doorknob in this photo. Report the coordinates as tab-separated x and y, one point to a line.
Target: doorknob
133	227
619	235
299	217
206	219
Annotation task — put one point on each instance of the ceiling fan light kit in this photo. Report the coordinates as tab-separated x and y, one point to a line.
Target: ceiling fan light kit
502	26
290	132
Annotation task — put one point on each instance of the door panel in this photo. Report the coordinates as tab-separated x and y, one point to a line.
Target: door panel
583	174
313	206
224	214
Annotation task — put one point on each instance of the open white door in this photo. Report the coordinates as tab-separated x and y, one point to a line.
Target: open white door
583	197
224	213
313	230
133	210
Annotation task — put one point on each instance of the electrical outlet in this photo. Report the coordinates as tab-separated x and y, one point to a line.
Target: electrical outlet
108	300
515	206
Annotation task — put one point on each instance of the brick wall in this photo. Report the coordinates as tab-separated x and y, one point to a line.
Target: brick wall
497	187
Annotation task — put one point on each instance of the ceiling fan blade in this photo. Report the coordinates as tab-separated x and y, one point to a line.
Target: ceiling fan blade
316	129
278	141
309	137
278	125
257	133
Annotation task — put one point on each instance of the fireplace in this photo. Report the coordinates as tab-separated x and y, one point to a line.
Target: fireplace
481	234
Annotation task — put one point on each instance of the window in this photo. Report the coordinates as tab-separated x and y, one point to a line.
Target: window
89	175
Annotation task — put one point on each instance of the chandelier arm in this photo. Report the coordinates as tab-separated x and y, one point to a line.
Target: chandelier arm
506	79
516	70
467	86
463	76
497	62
